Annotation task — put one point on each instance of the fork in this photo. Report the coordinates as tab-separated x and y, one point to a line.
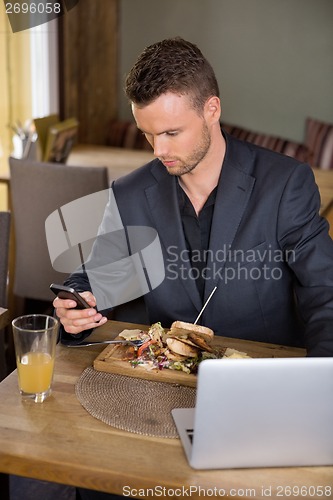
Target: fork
135	343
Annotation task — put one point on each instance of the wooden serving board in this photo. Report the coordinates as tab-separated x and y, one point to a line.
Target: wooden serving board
110	360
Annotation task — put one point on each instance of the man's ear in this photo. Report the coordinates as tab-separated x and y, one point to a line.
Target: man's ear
213	109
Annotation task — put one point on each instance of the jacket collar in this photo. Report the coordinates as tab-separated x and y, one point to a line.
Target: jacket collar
163	203
233	194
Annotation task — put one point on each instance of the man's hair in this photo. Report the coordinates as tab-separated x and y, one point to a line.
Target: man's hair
172	65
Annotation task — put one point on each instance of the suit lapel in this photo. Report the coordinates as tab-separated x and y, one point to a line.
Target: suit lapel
163	203
234	191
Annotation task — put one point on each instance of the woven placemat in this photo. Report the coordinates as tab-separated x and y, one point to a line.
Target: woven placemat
132	404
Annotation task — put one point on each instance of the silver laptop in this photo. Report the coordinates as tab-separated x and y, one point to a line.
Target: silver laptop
260	413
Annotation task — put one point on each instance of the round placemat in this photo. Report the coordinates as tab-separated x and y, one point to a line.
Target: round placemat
133	404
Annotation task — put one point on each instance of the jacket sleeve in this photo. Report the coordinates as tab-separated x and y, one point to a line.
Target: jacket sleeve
303	236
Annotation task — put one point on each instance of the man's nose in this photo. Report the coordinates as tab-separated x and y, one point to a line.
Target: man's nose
160	146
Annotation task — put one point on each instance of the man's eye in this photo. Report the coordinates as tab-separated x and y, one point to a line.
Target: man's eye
172	133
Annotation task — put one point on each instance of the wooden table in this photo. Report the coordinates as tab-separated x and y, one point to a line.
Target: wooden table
119	161
59	441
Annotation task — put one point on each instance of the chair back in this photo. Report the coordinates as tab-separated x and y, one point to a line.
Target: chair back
37	190
4	253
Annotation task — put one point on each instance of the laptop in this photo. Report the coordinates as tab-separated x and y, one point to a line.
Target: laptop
260	413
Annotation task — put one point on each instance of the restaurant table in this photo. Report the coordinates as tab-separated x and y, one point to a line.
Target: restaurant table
119	161
59	441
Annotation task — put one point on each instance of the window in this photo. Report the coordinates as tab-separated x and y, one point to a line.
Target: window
44	69
29	81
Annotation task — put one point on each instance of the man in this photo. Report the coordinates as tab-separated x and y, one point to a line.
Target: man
228	214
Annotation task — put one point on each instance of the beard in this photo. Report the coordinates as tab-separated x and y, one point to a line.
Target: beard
189	163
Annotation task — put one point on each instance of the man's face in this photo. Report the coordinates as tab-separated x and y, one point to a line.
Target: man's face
178	135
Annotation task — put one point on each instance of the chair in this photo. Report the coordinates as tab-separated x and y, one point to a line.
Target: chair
4	315
37	190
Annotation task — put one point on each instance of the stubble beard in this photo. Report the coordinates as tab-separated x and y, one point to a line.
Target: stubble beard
192	161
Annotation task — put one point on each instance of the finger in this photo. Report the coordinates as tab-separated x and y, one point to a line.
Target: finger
74	328
89	297
63	303
77	314
79	317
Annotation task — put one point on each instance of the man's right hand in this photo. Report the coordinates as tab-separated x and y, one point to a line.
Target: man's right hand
74	320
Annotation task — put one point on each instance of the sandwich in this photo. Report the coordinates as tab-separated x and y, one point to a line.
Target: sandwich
182	347
188	340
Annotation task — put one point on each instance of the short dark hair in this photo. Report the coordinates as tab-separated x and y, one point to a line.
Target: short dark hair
172	65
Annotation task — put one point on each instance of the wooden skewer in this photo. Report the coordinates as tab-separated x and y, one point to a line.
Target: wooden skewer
205	304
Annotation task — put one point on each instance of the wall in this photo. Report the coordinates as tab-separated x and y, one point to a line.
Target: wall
273	58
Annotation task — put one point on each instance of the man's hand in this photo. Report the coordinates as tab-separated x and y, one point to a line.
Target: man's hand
77	320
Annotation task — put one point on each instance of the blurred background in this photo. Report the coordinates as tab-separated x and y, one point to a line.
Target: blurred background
273	61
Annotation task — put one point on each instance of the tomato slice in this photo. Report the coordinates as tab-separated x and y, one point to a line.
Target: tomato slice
145	345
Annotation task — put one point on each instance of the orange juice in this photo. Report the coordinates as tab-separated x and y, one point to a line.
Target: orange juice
35	371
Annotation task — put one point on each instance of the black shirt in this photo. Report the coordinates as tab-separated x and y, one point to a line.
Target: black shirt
197	233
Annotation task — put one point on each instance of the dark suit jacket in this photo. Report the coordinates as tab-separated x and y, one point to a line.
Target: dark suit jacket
270	254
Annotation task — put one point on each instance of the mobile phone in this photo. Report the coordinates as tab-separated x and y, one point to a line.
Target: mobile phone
66	292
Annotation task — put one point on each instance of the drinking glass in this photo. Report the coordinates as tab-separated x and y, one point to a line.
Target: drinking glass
35	339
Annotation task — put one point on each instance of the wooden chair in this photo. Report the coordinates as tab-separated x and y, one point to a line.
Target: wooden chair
4	313
37	190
